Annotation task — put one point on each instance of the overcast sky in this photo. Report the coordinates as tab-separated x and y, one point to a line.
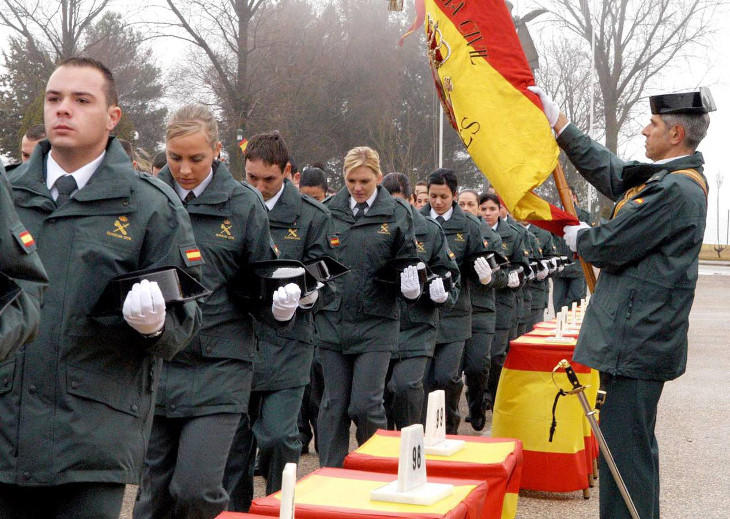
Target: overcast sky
711	69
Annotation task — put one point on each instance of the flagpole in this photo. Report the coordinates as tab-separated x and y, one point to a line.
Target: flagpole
567	201
441	135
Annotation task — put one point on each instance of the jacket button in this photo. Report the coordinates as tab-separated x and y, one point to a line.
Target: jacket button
125	203
6	381
74	384
208	349
134	407
173	406
26	476
32	388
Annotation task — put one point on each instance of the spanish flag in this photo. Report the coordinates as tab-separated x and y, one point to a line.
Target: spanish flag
193	255
243	145
482	75
27	239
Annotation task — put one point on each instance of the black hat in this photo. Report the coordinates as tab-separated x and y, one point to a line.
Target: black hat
9	291
325	269
176	285
698	102
390	273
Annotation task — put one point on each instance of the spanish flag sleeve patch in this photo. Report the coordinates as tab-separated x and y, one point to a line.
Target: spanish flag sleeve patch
334	241
24	238
191	256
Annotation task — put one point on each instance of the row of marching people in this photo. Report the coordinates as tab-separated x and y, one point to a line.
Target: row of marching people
182	390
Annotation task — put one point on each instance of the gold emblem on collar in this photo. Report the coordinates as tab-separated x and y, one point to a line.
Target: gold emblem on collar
420	247
460	236
120	229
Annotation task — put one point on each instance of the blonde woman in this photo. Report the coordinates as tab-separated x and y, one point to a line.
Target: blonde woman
358	329
205	389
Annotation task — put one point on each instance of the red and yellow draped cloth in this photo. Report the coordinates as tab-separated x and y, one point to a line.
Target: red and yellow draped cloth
340	493
523	409
482	75
498	461
238	515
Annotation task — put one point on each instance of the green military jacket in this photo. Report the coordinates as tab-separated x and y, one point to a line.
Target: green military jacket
209	375
19	261
418	321
574	270
505	297
465	240
80	407
545	249
299	226
364	315
483	316
636	323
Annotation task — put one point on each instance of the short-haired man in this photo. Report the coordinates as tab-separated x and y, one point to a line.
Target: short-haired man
635	329
298	226
31	138
78	412
159	161
465	241
313	182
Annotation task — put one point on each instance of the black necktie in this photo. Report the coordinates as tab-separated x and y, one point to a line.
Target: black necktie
440	220
65	185
360	210
190	196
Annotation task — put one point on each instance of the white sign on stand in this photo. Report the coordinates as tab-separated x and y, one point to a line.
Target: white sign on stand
435	441
288	482
412	487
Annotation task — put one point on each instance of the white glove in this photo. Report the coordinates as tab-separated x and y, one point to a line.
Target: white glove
483	270
144	307
285	302
409	285
437	292
552	264
542	274
308	301
513	279
548	105
571	234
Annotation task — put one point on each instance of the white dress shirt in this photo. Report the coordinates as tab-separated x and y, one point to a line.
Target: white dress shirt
446	216
197	190
271	202
81	175
369	201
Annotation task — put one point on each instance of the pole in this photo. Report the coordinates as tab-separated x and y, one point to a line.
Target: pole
567	201
441	135
579	390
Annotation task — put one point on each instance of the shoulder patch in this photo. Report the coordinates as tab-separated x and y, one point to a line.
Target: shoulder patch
191	255
24	238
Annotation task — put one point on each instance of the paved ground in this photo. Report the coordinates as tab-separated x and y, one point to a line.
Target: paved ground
693	423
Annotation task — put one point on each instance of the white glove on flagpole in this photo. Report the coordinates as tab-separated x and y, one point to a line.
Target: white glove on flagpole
483	270
571	234
144	307
285	302
437	292
409	285
513	279
548	105
308	301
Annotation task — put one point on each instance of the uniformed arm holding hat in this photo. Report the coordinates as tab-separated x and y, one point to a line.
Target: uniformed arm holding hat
22	281
635	328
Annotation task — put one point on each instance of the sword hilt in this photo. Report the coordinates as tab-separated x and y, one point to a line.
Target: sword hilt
572	377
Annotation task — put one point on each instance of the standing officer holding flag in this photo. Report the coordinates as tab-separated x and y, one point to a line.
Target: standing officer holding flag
635	328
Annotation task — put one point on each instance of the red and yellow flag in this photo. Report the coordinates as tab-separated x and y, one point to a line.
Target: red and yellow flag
482	76
243	145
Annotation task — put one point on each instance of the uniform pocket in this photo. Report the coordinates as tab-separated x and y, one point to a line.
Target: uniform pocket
224	348
99	387
7	376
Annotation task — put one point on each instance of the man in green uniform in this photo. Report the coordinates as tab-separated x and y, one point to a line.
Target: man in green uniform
299	226
635	328
569	285
404	394
22	281
465	241
78	414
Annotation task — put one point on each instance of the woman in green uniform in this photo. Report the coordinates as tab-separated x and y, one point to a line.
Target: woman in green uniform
359	326
205	389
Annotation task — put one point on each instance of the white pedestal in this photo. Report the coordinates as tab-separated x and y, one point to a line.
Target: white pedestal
426	494
444	447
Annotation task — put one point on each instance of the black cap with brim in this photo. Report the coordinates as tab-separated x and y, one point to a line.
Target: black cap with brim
176	285
390	273
9	291
325	269
698	102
